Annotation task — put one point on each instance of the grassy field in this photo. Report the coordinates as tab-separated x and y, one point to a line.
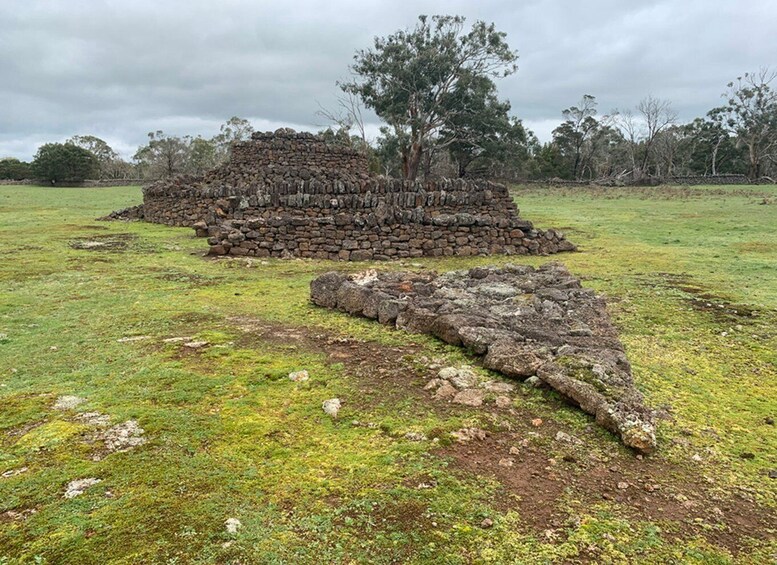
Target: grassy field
691	277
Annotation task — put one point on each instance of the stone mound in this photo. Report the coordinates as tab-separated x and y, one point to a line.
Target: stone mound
287	194
524	322
125	214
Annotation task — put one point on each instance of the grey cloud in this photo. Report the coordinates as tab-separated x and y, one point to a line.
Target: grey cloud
121	69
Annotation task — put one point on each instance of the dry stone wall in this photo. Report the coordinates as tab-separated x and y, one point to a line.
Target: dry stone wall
292	194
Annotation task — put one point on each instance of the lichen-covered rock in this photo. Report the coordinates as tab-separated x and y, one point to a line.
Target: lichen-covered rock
526	322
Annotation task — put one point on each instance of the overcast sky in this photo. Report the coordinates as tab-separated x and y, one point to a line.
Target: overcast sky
119	69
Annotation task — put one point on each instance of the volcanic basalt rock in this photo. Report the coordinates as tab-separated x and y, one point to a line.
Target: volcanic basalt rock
524	322
292	194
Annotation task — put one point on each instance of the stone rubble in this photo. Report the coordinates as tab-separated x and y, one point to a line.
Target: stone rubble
77	487
123	437
287	194
524	322
68	402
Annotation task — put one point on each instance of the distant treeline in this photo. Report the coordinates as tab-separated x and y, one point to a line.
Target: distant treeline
434	89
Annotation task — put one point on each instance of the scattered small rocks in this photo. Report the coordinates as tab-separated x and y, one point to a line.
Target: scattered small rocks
464	435
68	402
469	397
196	344
123	437
533	382
18	515
415	436
94	419
503	401
332	406
566	438
434	384
77	487
506	462
299	376
498	386
360	424
446	391
622	485
232	525
460	378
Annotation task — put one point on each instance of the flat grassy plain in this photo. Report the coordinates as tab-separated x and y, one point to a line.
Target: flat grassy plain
691	278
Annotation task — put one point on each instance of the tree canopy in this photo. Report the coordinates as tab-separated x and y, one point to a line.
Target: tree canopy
64	162
417	80
14	169
750	114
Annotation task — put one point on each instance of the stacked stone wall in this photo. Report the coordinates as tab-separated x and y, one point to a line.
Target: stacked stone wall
291	194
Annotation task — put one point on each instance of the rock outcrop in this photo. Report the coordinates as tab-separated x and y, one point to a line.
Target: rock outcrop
524	322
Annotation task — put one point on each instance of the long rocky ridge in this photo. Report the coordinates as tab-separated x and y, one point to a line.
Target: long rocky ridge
524	322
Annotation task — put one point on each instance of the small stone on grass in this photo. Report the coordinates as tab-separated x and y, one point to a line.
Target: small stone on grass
447	390
232	525
68	402
299	376
332	406
469	397
503	401
124	436
77	487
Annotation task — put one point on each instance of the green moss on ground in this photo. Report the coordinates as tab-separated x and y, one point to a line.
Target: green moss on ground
229	436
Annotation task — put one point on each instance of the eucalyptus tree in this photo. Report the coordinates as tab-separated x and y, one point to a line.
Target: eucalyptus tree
413	79
576	135
750	114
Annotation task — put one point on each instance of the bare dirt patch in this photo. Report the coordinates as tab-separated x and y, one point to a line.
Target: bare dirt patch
548	477
383	373
188	278
548	490
115	242
701	299
661	192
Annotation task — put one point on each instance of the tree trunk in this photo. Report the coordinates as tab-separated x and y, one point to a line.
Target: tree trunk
411	161
755	166
715	156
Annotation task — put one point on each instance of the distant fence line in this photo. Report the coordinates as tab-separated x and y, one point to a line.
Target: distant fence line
96	183
655	181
